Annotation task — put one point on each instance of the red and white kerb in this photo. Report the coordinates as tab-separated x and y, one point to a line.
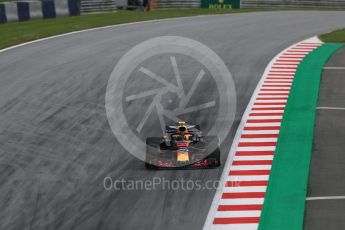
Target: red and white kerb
238	205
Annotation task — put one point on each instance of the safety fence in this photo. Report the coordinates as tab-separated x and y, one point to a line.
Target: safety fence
26	10
325	4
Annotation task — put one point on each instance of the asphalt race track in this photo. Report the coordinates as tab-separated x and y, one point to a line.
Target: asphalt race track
56	143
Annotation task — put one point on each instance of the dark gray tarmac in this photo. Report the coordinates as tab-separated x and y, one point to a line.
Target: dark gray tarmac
327	170
57	146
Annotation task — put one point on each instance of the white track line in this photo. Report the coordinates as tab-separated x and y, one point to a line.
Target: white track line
334	68
330	108
326	198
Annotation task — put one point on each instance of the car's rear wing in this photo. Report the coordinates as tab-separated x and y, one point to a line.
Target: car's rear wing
173	128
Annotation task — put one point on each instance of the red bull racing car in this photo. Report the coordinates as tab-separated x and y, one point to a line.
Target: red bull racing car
183	146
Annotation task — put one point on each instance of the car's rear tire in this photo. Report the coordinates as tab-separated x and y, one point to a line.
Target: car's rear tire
152	151
213	147
150	166
215	156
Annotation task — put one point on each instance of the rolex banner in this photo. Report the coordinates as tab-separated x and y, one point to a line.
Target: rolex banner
220	4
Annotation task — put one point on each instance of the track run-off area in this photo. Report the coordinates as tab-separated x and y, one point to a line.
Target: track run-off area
56	143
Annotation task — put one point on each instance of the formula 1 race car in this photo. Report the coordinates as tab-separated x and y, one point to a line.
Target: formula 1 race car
183	146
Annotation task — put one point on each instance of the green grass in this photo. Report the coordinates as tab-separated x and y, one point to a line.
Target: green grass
19	32
337	36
